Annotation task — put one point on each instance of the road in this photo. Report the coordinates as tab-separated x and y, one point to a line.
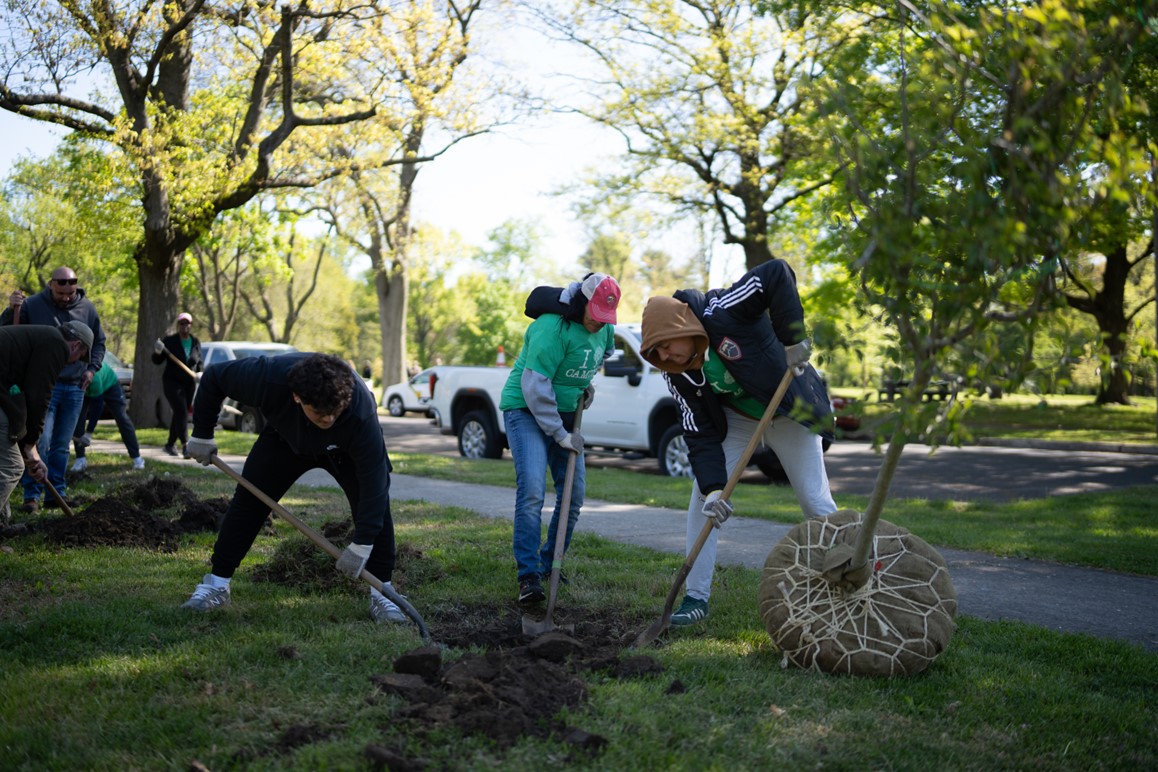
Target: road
971	473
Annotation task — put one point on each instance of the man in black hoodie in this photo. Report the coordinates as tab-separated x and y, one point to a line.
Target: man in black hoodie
318	415
723	353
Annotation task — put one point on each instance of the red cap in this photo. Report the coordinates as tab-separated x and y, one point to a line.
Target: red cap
602	294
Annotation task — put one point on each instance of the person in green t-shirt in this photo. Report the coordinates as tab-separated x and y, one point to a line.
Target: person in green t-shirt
104	391
561	354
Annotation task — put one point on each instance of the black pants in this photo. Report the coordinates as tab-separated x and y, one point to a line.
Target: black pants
178	396
272	467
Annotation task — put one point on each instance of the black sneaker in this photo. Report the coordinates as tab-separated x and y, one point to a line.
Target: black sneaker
170	450
531	589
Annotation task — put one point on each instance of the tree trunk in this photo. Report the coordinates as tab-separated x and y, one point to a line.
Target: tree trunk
158	270
393	288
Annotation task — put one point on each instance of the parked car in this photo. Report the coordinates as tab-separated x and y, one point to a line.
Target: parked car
412	396
244	418
123	371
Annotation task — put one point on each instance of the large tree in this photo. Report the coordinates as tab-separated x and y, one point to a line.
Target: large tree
711	103
206	103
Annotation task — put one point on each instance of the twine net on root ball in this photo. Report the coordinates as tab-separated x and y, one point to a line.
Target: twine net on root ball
896	624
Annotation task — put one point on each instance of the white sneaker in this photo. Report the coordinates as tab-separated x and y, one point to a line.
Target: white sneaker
207	597
383	610
80	464
138	463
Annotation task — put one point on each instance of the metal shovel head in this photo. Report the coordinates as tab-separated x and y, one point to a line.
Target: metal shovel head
654	630
533	629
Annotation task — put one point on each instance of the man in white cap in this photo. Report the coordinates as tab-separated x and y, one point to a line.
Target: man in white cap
562	351
60	302
176	382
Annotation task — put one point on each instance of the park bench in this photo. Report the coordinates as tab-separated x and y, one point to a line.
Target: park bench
939	389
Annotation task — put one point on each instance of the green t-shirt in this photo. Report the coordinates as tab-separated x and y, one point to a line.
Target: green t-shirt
722	382
102	381
565	353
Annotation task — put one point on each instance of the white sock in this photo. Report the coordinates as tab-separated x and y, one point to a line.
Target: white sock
218	582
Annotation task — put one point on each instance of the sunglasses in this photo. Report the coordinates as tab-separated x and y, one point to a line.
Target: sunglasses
64	282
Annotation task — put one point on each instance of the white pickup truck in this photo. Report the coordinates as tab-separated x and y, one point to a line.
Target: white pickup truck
633	411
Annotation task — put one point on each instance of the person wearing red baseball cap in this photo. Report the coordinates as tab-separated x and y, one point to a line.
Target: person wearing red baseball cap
562	351
180	348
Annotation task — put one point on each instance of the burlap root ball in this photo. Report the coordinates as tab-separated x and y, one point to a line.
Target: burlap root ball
896	624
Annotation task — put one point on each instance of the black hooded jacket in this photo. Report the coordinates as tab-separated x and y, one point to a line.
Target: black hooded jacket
748	326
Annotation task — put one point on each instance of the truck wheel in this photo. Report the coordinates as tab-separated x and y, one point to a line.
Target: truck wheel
250	421
478	438
673	453
394	406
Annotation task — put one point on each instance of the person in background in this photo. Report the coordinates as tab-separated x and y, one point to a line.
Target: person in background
104	390
60	302
562	351
317	416
723	354
31	359
177	384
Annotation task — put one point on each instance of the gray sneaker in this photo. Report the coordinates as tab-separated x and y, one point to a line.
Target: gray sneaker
207	597
383	610
80	464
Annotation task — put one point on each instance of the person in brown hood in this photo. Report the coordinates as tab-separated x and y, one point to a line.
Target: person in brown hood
723	353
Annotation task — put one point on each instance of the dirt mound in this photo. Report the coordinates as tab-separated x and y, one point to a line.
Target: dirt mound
152	514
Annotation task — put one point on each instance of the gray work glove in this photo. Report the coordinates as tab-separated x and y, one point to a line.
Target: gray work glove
353	559
797	354
201	451
588	396
572	441
158	346
717	508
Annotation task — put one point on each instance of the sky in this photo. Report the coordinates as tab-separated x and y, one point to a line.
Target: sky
481	182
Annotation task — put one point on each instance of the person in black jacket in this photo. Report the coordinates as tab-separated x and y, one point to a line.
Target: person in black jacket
176	382
62	301
723	354
32	357
318	415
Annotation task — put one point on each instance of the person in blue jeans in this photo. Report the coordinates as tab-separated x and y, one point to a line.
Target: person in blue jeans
61	302
562	351
105	389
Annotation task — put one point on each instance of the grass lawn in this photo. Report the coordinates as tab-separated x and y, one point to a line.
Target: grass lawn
102	670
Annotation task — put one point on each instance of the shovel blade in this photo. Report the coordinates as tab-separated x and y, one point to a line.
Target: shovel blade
533	629
655	630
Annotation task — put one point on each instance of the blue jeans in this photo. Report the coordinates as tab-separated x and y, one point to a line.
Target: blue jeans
63	411
535	452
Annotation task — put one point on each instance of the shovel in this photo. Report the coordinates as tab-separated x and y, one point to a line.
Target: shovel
325	544
180	364
52	489
530	626
660	625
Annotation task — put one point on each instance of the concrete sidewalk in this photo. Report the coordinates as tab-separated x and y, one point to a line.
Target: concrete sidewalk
1060	598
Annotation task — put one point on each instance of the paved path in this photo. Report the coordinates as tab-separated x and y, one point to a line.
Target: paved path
1061	598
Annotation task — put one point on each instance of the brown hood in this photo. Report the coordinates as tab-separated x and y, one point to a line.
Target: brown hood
665	318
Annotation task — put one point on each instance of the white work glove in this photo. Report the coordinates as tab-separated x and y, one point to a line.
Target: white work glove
158	346
717	508
588	396
353	559
572	441
201	451
797	354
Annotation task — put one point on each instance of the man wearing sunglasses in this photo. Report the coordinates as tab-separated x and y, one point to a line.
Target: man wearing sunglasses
59	303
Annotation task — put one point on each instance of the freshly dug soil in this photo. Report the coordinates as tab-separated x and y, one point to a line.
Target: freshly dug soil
516	686
152	514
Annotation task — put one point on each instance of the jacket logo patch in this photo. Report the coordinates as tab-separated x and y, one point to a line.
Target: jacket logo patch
729	350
